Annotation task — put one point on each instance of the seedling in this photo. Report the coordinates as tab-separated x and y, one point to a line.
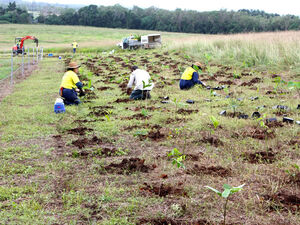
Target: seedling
144	112
177	158
228	191
214	121
236	75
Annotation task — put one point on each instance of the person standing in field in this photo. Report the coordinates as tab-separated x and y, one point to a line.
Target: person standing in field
70	84
143	85
74	45
190	76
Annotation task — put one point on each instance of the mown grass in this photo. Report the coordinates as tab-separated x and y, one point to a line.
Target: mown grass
46	180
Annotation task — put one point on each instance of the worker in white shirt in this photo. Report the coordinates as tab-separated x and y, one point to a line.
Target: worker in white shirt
142	82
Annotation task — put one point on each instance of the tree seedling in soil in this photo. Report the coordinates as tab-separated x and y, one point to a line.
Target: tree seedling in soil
278	83
214	121
177	158
228	191
236	75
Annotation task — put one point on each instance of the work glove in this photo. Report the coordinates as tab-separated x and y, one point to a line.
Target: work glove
81	92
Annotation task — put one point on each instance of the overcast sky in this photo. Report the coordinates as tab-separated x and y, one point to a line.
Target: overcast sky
270	6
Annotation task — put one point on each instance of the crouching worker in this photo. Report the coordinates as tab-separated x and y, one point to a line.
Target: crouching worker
70	84
190	76
143	85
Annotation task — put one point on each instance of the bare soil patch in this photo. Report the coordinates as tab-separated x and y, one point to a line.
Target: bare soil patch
163	190
261	157
128	166
212	170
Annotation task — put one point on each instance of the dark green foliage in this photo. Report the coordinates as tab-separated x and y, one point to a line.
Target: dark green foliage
12	14
188	21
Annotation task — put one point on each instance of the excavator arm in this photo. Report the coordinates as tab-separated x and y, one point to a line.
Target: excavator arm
29	37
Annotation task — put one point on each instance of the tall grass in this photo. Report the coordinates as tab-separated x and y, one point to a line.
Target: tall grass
276	51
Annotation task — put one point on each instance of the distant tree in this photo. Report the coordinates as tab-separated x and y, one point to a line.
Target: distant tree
11	6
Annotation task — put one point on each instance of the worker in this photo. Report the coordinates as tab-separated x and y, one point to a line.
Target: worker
74	45
143	85
190	76
70	85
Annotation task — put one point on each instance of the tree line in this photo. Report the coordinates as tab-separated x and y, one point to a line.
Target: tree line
188	21
13	14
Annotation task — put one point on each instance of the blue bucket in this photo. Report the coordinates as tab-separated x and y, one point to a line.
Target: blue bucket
59	107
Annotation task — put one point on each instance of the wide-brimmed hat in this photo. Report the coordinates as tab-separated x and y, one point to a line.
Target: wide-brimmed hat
198	64
73	65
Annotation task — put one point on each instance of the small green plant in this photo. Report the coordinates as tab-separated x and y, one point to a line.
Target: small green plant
177	158
144	112
279	82
214	121
236	75
228	191
261	122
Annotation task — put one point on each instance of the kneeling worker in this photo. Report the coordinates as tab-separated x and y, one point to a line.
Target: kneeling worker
190	76
70	82
142	81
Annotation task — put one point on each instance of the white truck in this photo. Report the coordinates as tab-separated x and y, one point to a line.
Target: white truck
147	41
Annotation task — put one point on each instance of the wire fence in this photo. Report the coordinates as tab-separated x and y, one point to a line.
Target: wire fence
12	65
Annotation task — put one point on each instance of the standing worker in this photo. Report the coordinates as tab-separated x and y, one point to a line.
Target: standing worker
74	45
142	81
190	77
70	82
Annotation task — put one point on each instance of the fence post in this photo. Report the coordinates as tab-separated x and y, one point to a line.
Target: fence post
28	54
37	55
23	62
12	68
33	56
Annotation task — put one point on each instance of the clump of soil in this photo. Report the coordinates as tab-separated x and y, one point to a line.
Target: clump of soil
79	130
156	133
163	190
251	82
212	170
275	124
90	94
257	133
227	82
211	139
82	142
128	166
187	111
138	116
104	88
169	221
119	100
172	120
260	157
283	201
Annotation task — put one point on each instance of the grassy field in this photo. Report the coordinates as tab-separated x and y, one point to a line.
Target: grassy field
105	161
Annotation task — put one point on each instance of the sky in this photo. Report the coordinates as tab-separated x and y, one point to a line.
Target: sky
269	6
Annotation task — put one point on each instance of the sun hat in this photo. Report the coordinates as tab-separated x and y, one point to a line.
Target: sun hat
198	64
73	65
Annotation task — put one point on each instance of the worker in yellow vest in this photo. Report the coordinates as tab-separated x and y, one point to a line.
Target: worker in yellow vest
70	85
190	76
74	45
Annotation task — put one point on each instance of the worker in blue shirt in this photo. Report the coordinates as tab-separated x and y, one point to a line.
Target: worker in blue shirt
190	76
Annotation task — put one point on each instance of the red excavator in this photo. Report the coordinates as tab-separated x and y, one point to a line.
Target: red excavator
19	47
